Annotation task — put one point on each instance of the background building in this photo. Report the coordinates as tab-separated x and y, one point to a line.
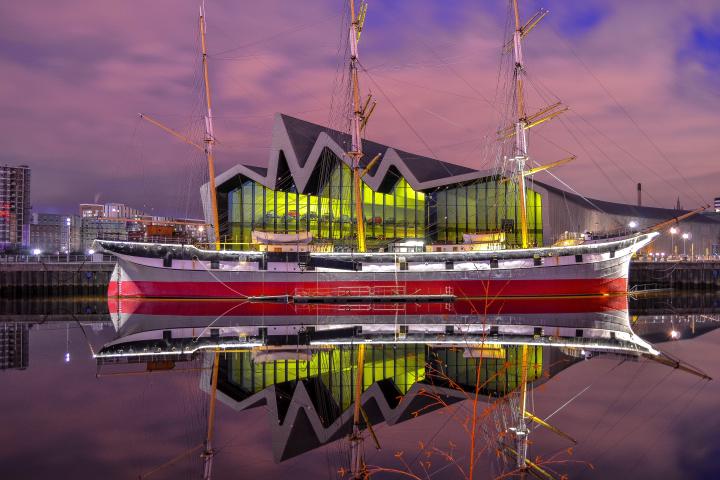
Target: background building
45	232
307	187
119	210
14	345
91	210
117	221
66	233
14	206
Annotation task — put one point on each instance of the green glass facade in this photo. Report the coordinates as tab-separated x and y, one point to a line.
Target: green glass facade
329	215
336	369
404	364
441	215
479	207
498	376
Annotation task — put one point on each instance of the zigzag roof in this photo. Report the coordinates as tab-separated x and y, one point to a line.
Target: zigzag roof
303	415
295	421
298	148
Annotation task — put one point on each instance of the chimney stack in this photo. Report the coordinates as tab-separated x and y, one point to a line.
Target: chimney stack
639	195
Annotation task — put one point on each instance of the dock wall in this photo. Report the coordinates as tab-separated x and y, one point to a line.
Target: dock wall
43	279
700	275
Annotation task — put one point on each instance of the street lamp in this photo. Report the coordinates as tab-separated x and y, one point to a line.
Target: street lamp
673	231
67	343
685	236
632	224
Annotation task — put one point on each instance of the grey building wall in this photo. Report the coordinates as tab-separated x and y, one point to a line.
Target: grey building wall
45	232
564	211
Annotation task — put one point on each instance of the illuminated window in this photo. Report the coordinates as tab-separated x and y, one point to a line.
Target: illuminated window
330	214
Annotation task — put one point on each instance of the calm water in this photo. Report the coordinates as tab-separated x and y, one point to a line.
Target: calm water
64	416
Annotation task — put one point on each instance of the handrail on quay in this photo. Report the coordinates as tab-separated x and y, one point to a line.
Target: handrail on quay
677	258
57	258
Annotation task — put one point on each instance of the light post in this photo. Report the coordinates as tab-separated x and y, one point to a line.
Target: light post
67	343
685	236
673	231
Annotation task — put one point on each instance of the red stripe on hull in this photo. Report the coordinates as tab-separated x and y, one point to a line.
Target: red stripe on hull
459	288
218	307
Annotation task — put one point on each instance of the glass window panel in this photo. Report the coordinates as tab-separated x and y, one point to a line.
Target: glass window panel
452	214
400	213
471	207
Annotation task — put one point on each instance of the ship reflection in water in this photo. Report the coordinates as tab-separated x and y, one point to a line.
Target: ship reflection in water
307	367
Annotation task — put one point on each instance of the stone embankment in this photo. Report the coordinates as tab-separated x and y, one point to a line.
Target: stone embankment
40	278
682	275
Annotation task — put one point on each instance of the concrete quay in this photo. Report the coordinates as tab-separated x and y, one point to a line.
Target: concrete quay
20	279
701	275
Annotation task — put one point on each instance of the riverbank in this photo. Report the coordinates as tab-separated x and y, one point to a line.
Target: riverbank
49	278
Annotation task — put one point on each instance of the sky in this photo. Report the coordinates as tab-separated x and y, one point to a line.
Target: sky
639	78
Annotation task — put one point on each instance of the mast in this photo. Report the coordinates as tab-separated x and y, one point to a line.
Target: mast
520	153
676	220
209	453
209	139
521	432
357	464
357	119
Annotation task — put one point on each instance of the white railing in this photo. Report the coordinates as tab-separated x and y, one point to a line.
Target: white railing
57	258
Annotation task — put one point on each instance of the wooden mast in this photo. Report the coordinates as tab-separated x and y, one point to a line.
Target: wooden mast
520	126
521	432
357	464
520	157
675	220
209	133
357	119
209	452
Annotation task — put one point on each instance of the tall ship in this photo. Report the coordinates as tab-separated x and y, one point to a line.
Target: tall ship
291	268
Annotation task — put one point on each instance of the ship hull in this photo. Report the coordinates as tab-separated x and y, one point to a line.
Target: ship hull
142	281
602	271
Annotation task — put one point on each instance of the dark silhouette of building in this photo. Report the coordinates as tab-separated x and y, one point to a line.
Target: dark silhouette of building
14	345
14	206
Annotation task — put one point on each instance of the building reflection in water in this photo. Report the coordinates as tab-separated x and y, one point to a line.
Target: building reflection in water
305	374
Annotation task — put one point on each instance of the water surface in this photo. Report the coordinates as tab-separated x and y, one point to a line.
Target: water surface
64	416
